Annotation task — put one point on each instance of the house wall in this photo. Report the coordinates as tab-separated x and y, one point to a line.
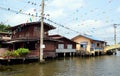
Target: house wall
48	51
67	42
82	39
49	46
98	45
65	49
35	52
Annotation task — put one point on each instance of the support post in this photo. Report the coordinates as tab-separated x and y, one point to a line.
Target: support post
115	33
70	54
41	34
64	54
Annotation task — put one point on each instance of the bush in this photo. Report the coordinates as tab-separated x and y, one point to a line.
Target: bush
11	53
7	53
16	53
22	51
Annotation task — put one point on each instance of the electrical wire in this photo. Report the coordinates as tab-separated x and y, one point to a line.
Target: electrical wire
20	12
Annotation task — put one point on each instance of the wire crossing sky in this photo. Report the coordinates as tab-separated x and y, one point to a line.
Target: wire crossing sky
91	17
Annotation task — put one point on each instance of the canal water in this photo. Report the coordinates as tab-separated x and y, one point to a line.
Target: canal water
73	66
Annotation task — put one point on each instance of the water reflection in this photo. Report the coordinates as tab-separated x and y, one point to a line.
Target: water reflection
76	66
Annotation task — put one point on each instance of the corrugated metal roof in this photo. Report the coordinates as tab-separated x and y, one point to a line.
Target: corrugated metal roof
58	37
30	24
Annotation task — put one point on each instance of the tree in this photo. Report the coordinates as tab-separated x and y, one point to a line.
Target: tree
3	27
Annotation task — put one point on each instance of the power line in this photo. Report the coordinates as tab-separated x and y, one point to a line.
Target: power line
60	25
17	12
20	12
29	14
30	2
115	26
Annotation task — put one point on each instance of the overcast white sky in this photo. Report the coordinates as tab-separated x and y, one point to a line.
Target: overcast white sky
92	17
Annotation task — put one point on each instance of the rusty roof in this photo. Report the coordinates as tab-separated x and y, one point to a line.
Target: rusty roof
30	24
58	37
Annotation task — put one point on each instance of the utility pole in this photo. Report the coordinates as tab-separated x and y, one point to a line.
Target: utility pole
115	33
41	33
115	26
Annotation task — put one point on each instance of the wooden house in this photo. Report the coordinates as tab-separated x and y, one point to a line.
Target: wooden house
4	36
89	45
27	35
65	46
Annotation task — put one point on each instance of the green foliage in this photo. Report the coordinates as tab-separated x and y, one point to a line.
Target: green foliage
3	27
17	53
11	53
22	51
7	53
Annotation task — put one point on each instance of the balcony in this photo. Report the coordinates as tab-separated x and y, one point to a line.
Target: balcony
96	49
65	50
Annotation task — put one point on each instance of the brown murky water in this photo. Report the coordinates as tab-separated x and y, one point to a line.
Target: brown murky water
75	66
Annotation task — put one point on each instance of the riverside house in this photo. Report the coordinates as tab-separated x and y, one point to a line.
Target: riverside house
4	36
89	45
27	35
65	46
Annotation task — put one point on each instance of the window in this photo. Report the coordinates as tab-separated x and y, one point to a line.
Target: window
81	46
92	45
98	44
60	46
69	46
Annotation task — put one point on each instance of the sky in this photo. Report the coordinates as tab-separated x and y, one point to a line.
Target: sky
70	17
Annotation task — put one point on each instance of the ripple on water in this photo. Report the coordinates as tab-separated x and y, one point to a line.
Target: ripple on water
75	66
